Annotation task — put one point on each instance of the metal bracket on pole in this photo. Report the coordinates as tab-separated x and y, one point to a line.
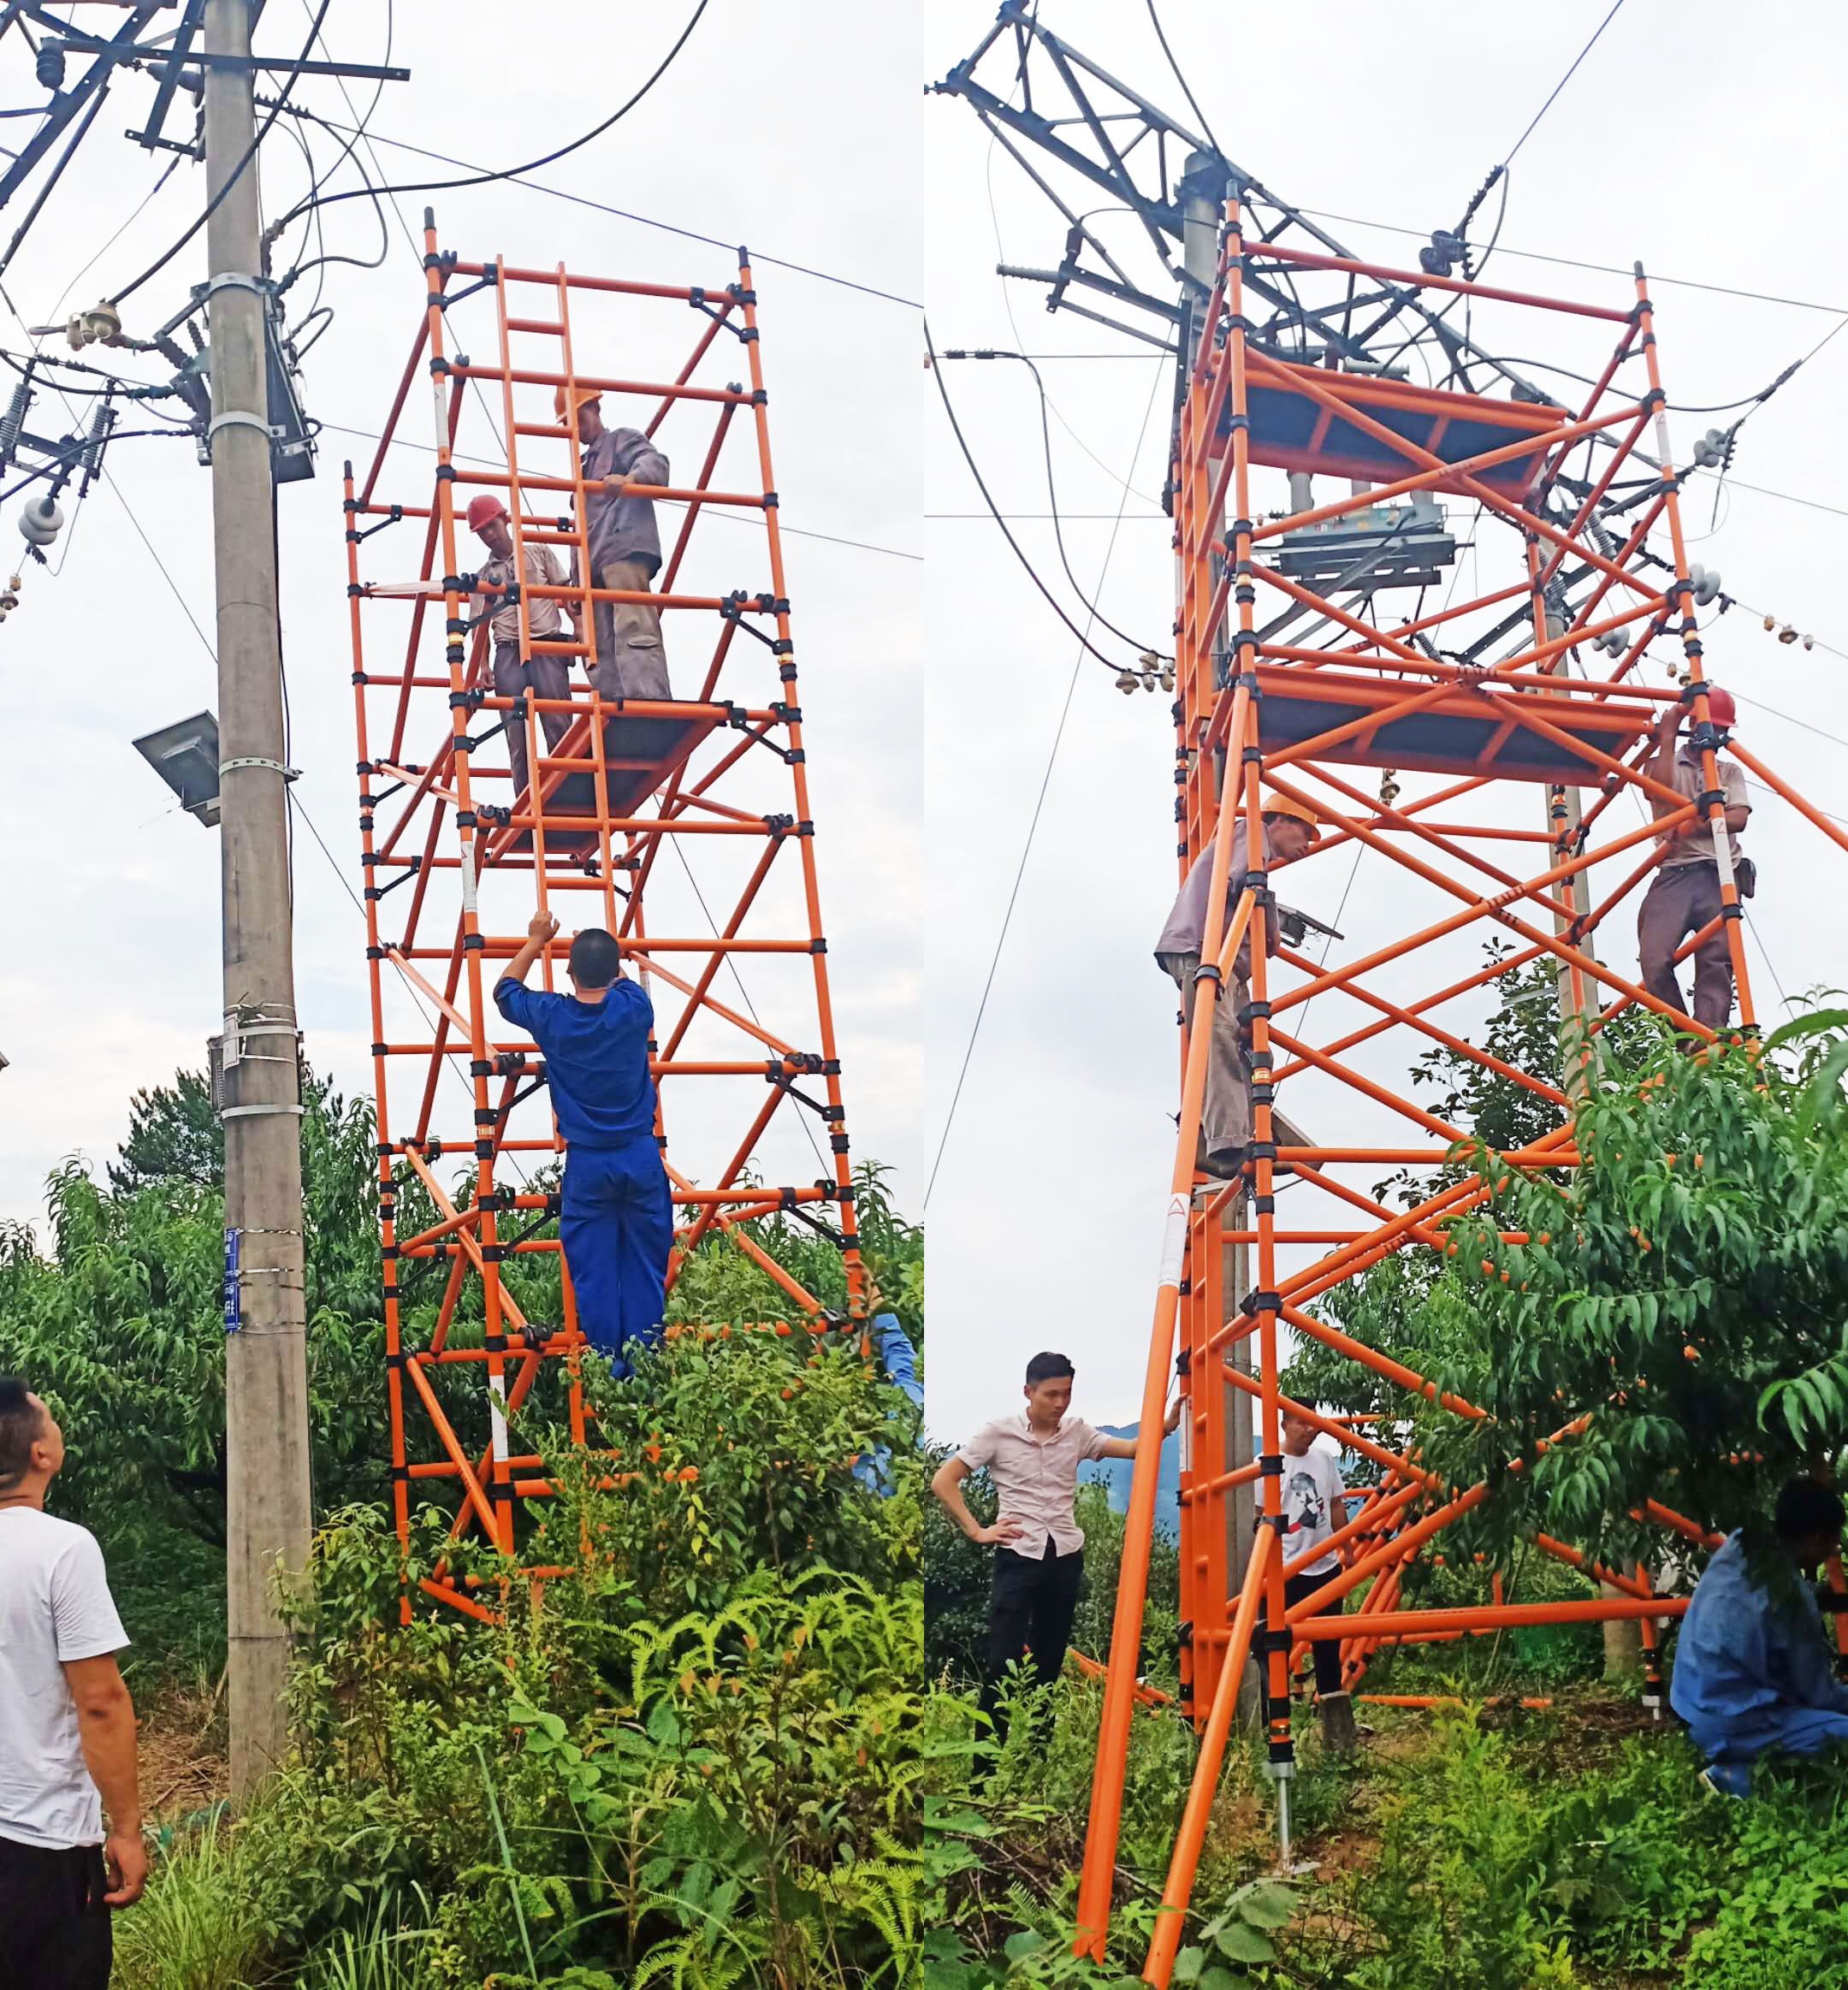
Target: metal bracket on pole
245	1111
289	774
239	418
232	280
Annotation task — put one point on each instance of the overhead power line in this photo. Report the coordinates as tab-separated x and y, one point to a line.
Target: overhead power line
628	213
1045	781
722	512
1186	91
1046	440
1387	227
237	172
481	177
1562	82
1032	572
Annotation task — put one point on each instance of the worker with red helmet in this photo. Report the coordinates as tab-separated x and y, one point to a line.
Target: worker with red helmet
1225	1128
1686	895
544	673
624	546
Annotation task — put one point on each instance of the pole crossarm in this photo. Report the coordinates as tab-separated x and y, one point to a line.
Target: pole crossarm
463	838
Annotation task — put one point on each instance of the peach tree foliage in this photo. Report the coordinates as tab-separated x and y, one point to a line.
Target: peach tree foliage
1684	1288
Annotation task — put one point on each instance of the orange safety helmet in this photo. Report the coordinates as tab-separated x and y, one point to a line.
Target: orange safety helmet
1275	804
482	508
581	397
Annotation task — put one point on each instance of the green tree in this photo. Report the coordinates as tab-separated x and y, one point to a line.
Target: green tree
173	1135
122	1325
1686	1287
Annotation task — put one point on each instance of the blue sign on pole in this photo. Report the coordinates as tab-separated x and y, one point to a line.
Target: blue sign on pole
233	1286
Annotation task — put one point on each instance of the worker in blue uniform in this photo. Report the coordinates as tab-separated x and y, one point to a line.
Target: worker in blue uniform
616	1216
1753	1671
898	1358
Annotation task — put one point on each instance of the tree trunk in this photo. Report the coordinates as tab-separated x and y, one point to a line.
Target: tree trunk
1623	1645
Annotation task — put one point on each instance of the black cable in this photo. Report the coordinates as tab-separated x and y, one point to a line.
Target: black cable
1192	103
956	429
484	179
360	130
1045	438
1388	227
1562	82
1431	323
743	992
715	512
217	200
1045	782
624	214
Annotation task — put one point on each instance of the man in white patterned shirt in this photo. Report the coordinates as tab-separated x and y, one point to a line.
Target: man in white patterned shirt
1032	1457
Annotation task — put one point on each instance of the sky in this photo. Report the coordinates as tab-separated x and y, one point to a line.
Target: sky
115	982
1046	1211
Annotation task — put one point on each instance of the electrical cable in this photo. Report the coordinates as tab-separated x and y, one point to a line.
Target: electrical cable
1388	227
1192	102
624	214
1562	82
1082	635
217	200
361	130
670	504
743	992
1429	326
1007	305
487	177
361	133
1046	440
1045	782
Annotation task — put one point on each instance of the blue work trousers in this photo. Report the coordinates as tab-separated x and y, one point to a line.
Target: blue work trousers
616	1224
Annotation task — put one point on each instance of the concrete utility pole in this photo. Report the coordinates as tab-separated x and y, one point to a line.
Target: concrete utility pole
266	1379
1203	193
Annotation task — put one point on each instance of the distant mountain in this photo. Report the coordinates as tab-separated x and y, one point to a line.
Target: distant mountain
1116	1472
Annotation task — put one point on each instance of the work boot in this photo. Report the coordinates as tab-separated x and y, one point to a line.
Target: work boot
1338	1735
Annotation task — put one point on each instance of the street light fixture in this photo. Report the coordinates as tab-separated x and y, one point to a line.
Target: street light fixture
186	756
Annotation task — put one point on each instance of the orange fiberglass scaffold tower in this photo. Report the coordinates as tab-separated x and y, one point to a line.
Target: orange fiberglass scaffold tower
1261	708
463	861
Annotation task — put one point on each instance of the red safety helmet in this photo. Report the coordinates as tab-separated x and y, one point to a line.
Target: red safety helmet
482	508
1719	706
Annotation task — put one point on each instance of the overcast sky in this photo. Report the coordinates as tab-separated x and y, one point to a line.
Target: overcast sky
1046	1214
113	979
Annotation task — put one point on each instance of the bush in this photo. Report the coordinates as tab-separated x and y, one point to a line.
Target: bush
691	1756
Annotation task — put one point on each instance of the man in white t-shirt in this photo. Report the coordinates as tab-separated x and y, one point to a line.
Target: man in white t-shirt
67	1725
1315	1506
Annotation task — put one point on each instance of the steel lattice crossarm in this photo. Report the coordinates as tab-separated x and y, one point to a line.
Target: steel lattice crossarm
1518	729
639	815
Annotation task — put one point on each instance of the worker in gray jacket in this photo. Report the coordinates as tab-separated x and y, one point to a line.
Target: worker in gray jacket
625	548
1225	1128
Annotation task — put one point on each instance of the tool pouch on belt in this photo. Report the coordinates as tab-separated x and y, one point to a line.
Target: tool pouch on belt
1745	876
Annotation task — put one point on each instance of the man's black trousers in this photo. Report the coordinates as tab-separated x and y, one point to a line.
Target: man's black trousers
53	1922
1325	1651
1030	1613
